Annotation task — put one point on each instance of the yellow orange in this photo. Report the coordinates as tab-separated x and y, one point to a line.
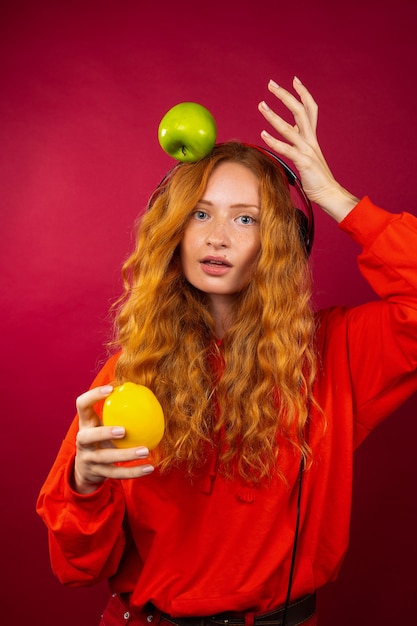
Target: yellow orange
137	409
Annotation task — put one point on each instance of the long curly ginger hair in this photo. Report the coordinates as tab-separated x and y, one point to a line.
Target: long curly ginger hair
260	388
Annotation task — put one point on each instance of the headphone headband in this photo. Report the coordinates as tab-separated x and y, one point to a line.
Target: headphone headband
298	195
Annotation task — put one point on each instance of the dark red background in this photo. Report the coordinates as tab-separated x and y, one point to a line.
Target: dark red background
83	88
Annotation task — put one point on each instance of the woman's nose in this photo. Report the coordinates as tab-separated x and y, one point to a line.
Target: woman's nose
218	235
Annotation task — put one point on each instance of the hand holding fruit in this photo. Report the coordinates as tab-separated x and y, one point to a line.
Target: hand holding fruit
96	456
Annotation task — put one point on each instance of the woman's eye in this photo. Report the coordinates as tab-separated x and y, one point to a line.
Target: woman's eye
200	215
246	219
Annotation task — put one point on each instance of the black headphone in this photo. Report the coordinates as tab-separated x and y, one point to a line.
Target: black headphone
298	196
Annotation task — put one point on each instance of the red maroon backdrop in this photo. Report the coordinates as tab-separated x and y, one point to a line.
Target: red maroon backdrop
83	88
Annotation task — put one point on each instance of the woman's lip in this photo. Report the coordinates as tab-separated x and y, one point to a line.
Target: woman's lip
215	266
216	260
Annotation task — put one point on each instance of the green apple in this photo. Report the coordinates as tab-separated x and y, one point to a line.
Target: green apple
187	132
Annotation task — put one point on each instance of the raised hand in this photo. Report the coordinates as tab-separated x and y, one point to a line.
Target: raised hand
299	144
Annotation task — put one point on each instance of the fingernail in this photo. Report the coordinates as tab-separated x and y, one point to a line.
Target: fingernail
106	389
273	84
264	106
297	80
266	135
142	452
147	469
118	431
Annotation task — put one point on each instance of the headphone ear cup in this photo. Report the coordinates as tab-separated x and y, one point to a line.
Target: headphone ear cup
304	229
298	197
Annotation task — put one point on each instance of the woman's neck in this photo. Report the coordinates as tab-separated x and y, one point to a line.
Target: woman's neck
222	309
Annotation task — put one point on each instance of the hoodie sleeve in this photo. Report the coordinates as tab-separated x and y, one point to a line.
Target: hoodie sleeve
85	532
381	336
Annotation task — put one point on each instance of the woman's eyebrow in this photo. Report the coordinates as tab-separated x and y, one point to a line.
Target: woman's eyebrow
238	205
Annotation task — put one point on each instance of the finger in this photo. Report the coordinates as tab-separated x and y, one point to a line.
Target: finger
124	472
305	112
280	147
287	98
98	473
290	133
100	457
85	405
308	101
89	437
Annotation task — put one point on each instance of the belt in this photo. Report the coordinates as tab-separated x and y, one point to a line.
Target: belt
297	612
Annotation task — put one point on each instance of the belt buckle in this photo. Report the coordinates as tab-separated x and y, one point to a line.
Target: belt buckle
215	619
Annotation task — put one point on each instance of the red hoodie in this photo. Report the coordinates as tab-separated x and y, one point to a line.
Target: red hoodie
211	545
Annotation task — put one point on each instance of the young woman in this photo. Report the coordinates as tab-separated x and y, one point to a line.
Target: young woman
243	510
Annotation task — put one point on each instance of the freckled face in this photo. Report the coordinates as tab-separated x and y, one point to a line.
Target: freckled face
221	240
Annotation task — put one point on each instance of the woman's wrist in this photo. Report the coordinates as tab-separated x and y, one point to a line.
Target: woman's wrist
339	203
